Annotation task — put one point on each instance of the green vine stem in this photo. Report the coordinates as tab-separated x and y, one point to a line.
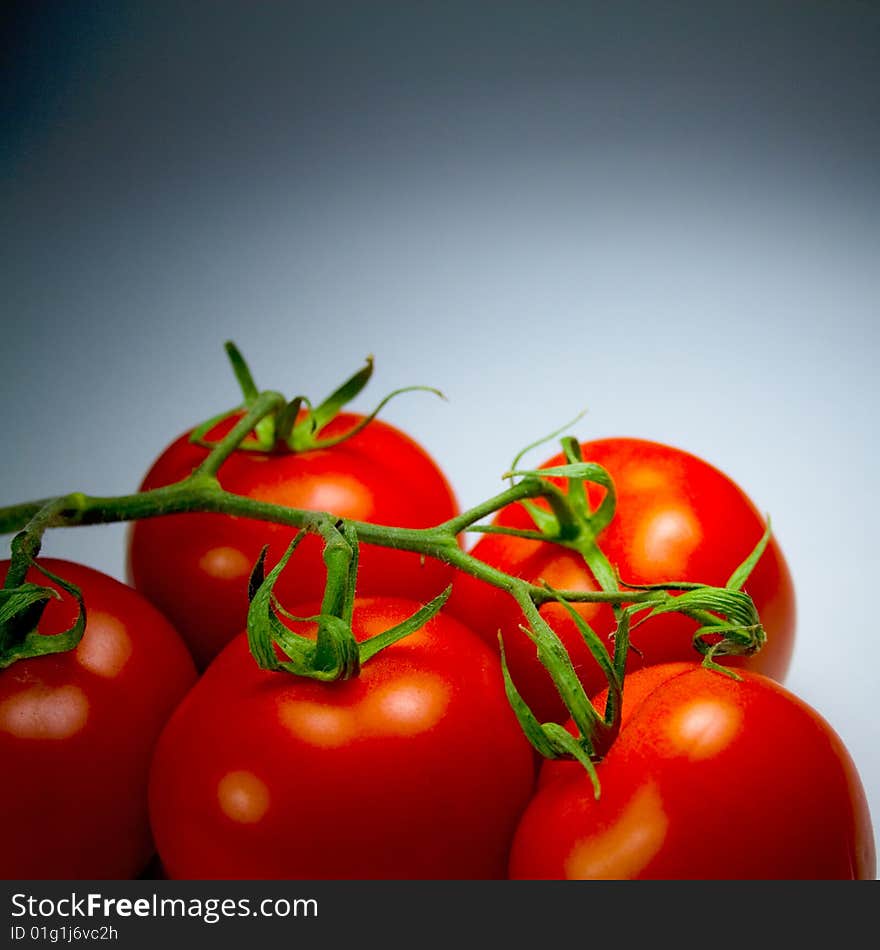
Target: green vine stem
727	617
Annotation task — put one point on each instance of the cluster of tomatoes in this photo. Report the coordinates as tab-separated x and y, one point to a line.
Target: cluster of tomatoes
159	734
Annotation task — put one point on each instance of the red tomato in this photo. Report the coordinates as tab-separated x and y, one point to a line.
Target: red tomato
77	731
417	768
195	567
677	519
710	778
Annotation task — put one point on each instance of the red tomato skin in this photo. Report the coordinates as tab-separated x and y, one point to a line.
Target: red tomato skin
416	769
677	518
77	732
636	689
710	779
195	567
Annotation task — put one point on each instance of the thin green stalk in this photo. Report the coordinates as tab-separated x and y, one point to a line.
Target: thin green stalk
262	406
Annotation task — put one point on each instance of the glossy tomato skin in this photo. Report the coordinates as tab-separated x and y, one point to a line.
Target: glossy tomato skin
417	768
677	519
195	567
710	778
77	732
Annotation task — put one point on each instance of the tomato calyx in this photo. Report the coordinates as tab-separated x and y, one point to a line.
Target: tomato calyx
22	602
571	521
728	622
334	653
296	424
579	529
740	634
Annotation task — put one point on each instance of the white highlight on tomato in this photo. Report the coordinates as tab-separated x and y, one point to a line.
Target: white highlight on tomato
42	712
243	797
225	563
704	727
105	646
669	537
319	725
409	705
624	849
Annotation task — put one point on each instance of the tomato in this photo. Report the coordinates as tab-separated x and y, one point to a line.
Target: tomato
709	778
77	732
195	567
677	519
416	768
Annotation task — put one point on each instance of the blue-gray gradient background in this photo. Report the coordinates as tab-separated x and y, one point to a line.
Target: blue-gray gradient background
667	213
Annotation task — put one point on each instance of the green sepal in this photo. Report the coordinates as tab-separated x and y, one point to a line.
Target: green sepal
305	434
721	612
543	441
264	436
21	609
302	656
287	417
338	658
532	729
334	654
530	534
262	620
339	655
548	524
577	493
600	654
265	429
555	659
329	408
741	574
369	648
550	740
581	472
264	628
545	521
736	640
565	744
284	425
739	627
242	372
258	572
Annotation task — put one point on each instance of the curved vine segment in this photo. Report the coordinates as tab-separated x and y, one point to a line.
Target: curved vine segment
728	620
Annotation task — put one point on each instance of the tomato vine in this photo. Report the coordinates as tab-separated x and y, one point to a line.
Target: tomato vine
727	618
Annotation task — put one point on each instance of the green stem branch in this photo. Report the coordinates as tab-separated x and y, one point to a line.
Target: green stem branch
200	492
262	406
